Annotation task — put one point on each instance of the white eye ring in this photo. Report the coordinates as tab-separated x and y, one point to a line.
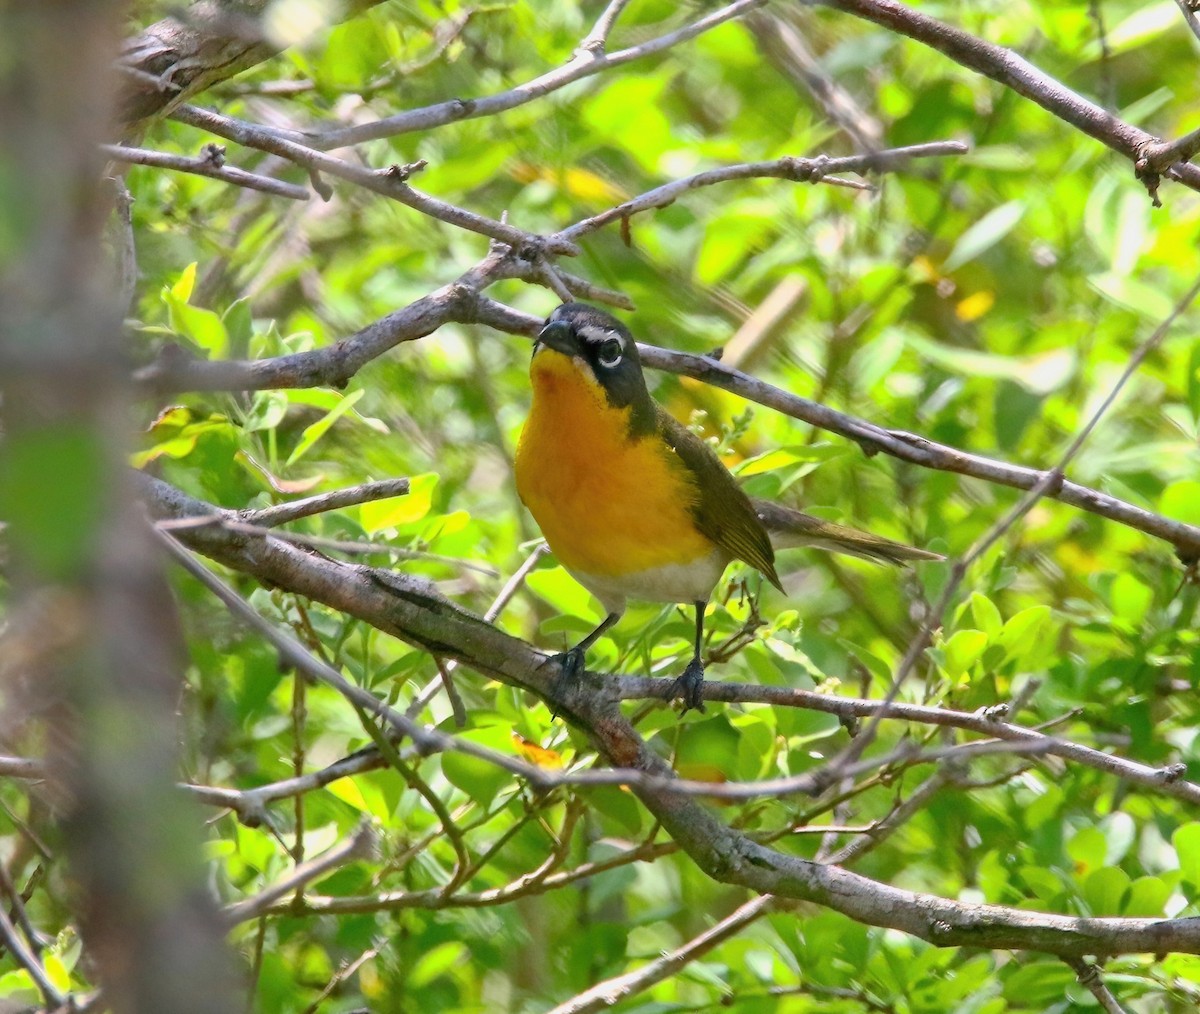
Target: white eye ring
610	352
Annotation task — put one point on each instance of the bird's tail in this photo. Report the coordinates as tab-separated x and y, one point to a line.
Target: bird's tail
788	528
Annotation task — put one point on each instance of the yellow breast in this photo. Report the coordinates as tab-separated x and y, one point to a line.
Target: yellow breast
608	504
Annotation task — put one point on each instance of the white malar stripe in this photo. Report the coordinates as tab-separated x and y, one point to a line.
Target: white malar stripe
673	582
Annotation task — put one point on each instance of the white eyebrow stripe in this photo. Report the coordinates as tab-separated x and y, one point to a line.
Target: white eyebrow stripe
595	335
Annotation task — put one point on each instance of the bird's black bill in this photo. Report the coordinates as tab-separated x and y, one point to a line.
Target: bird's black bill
560	336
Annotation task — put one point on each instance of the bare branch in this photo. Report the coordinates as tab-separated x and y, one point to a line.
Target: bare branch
1191	15
210	164
798	170
360	845
22	767
390	181
596	41
124	247
922	451
1013	71
251	804
1088	975
24	957
293	510
1166	780
1160	157
416	614
584	64
333	366
533	883
355	547
184	54
779	36
612	991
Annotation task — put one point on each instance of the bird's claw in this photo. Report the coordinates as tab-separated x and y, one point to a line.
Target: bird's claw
689	686
570	665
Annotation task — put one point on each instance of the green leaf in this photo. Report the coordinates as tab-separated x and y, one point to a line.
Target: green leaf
182	289
1130	598
1104	889
202	326
476	777
1193	382
1181	501
782	457
985	614
1119	833
618	805
1040	374
436	962
361	794
1147	897
984	234
1186	840
1145	24
1020	635
239	324
318	429
1130	293
1088	848
1132	214
1036	984
57	972
1043	883
267	409
963	650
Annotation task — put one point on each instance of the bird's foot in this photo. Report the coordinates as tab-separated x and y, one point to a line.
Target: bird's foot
570	665
689	687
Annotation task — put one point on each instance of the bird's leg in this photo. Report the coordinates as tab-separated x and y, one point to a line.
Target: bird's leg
690	683
570	662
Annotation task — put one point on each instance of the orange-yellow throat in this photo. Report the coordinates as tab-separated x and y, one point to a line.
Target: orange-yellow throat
609	503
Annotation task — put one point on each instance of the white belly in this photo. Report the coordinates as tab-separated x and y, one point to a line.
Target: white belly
673	582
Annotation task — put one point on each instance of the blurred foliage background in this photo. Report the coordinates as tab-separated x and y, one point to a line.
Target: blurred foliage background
987	301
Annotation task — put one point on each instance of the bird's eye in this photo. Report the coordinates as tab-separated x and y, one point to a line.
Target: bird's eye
610	352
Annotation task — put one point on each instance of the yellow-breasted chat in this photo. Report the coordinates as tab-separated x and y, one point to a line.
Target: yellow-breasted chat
634	504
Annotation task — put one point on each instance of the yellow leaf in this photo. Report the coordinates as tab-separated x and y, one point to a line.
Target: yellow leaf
578	183
974	306
395	511
173	416
535	754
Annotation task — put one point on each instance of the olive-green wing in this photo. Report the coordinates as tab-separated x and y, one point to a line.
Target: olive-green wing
787	527
721	510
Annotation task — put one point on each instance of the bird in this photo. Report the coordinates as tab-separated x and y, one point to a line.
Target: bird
633	503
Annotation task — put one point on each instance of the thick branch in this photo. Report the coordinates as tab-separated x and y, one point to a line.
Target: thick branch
334	365
420	617
80	565
181	56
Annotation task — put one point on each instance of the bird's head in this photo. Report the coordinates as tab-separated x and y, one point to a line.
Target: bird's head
599	347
